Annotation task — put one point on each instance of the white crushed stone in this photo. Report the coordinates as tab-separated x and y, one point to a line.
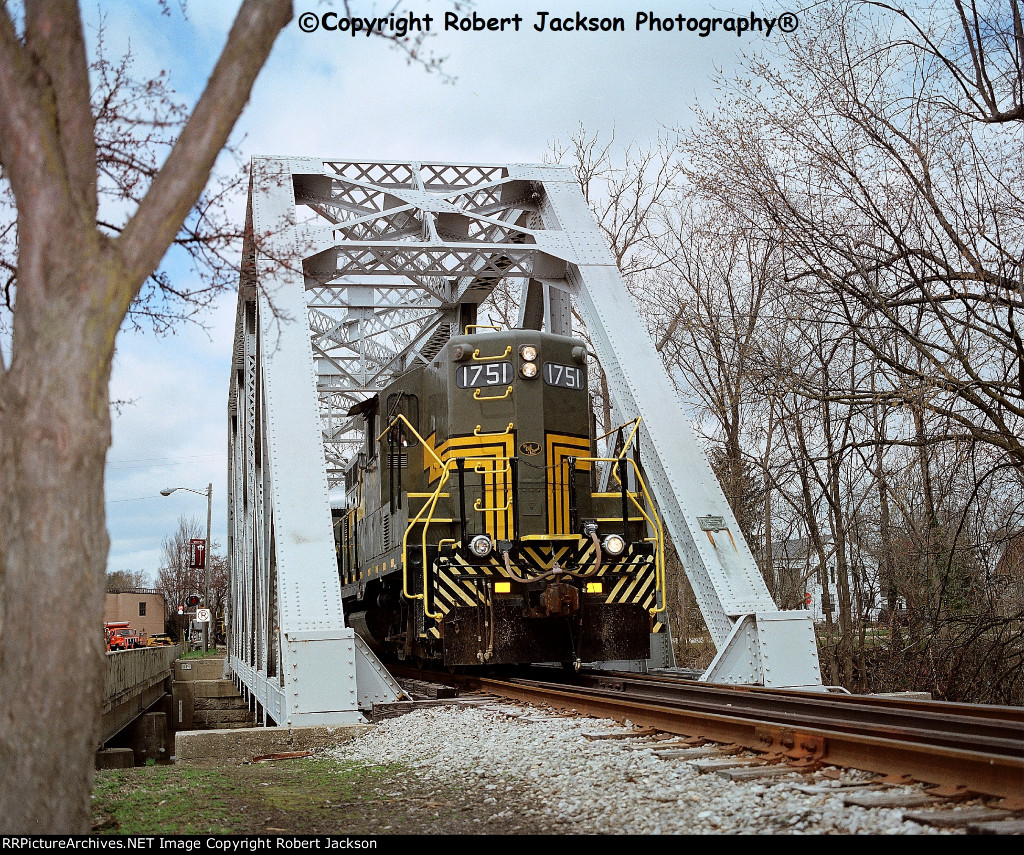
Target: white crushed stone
549	770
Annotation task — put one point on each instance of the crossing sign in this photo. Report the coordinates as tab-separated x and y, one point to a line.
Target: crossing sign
203	615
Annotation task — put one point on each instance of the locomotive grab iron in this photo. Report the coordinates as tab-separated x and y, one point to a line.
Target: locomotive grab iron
473	530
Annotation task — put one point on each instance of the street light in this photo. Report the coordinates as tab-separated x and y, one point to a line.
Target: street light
208	492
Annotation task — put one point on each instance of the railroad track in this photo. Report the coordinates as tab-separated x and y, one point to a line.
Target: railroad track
959	751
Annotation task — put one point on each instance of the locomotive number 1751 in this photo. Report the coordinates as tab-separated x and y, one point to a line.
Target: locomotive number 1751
491	374
566	376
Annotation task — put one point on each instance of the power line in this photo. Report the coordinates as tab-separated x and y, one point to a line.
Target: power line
153	462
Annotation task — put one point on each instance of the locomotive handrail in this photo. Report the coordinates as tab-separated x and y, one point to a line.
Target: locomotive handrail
625	446
476	506
431	504
508	430
652	520
481	469
629	439
426	524
479	397
479	358
479	327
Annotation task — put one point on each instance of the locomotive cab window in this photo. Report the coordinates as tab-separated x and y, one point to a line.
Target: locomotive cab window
485	374
566	376
406	405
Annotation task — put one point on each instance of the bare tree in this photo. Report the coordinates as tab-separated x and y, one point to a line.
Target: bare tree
127	580
982	51
625	191
76	277
177	580
75	284
882	154
897	210
709	303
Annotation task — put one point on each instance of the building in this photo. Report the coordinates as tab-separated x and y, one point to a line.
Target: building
1006	583
796	566
144	607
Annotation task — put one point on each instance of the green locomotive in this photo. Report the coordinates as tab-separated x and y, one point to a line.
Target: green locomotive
473	532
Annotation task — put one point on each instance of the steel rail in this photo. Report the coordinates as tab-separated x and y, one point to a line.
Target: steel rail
970	771
896	701
955	725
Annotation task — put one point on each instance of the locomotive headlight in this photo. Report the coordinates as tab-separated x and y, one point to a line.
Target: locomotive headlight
480	546
528	352
613	544
460	352
528	370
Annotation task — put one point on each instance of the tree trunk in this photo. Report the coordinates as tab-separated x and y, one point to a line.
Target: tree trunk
53	550
74	287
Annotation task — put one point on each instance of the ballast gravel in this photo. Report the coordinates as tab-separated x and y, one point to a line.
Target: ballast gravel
543	773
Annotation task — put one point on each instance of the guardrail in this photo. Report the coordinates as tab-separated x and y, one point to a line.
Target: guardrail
134	680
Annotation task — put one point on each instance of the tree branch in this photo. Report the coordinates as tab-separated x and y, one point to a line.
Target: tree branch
184	175
53	36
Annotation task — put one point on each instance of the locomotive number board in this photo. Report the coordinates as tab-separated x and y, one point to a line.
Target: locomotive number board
566	376
491	374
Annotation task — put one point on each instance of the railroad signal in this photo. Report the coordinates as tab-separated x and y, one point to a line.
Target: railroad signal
193	600
197	553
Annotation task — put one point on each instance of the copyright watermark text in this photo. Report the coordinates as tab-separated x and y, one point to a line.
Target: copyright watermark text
402	24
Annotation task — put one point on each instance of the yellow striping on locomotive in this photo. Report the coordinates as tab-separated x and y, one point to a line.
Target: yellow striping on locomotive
558	448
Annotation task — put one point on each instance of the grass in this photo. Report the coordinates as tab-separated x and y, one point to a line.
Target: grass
201	654
162	800
297	796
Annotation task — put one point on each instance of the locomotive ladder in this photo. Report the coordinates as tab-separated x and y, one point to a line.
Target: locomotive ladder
355	271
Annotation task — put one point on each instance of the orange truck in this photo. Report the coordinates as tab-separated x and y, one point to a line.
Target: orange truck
120	636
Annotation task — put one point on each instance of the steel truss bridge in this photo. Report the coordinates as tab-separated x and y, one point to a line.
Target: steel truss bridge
355	271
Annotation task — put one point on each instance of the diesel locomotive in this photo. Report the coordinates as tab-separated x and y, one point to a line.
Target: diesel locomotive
474	530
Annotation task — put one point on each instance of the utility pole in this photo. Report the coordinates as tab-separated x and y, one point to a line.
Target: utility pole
206	563
208	492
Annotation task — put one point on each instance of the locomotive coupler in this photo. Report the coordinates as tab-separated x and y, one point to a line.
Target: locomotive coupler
560	600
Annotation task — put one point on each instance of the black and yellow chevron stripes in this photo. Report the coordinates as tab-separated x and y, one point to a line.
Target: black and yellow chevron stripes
461	583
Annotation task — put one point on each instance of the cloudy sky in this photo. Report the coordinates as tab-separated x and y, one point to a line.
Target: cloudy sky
328	94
